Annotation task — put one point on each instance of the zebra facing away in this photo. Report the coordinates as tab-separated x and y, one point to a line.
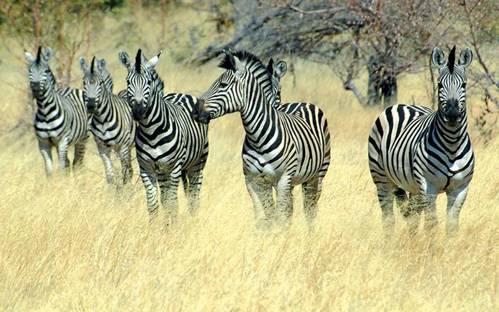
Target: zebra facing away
112	124
284	146
61	117
413	149
170	144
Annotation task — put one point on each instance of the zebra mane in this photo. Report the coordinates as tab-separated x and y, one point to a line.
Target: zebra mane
38	55
138	60
452	59
243	56
92	66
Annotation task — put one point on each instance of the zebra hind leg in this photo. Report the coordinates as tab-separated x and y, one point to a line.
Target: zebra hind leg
385	198
284	201
311	194
412	214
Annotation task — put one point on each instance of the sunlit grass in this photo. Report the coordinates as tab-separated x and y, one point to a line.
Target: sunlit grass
73	243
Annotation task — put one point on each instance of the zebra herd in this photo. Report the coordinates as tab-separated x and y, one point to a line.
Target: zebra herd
414	153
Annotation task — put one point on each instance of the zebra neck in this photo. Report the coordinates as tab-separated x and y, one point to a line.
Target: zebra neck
158	113
261	122
46	102
450	138
106	111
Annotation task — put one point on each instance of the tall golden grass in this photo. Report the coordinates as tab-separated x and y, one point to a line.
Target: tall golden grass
73	243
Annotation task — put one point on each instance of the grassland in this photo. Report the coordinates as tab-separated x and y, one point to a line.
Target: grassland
72	243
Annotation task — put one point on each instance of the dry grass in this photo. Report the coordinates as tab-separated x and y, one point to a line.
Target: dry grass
71	243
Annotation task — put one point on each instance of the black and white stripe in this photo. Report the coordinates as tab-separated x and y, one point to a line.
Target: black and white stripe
284	146
61	117
112	124
413	149
170	144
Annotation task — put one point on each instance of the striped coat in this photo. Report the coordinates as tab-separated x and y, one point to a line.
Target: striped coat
61	118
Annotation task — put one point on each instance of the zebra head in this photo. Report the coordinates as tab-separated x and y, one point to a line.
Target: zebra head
40	76
452	84
277	70
93	85
142	79
235	88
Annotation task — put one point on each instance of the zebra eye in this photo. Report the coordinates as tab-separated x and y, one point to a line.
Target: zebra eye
463	85
223	85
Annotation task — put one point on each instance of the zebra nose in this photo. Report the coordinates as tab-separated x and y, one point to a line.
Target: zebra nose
91	104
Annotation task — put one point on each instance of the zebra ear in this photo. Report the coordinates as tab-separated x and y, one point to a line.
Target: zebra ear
238	66
47	54
101	64
466	57
83	65
124	59
438	57
280	68
153	61
29	57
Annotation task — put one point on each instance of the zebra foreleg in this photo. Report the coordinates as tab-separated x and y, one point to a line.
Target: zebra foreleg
455	201
62	153
168	185
126	164
194	180
105	155
261	195
79	153
430	213
149	181
311	194
46	150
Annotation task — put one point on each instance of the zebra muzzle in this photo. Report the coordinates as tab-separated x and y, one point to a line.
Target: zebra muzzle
199	114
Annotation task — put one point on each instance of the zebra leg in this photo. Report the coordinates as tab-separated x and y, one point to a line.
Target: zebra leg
430	213
194	180
168	185
284	201
385	198
79	153
455	201
261	195
311	193
46	150
126	164
412	214
149	181
105	155
62	153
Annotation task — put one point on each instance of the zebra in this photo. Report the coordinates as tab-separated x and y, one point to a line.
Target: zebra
112	124
170	145
284	146
415	150
61	117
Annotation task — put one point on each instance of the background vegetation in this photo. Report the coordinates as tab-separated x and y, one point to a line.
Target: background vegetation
72	243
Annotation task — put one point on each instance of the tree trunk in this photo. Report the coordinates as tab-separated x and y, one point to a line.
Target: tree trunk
389	89
374	81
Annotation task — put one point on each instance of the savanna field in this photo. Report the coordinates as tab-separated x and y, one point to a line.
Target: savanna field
74	243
